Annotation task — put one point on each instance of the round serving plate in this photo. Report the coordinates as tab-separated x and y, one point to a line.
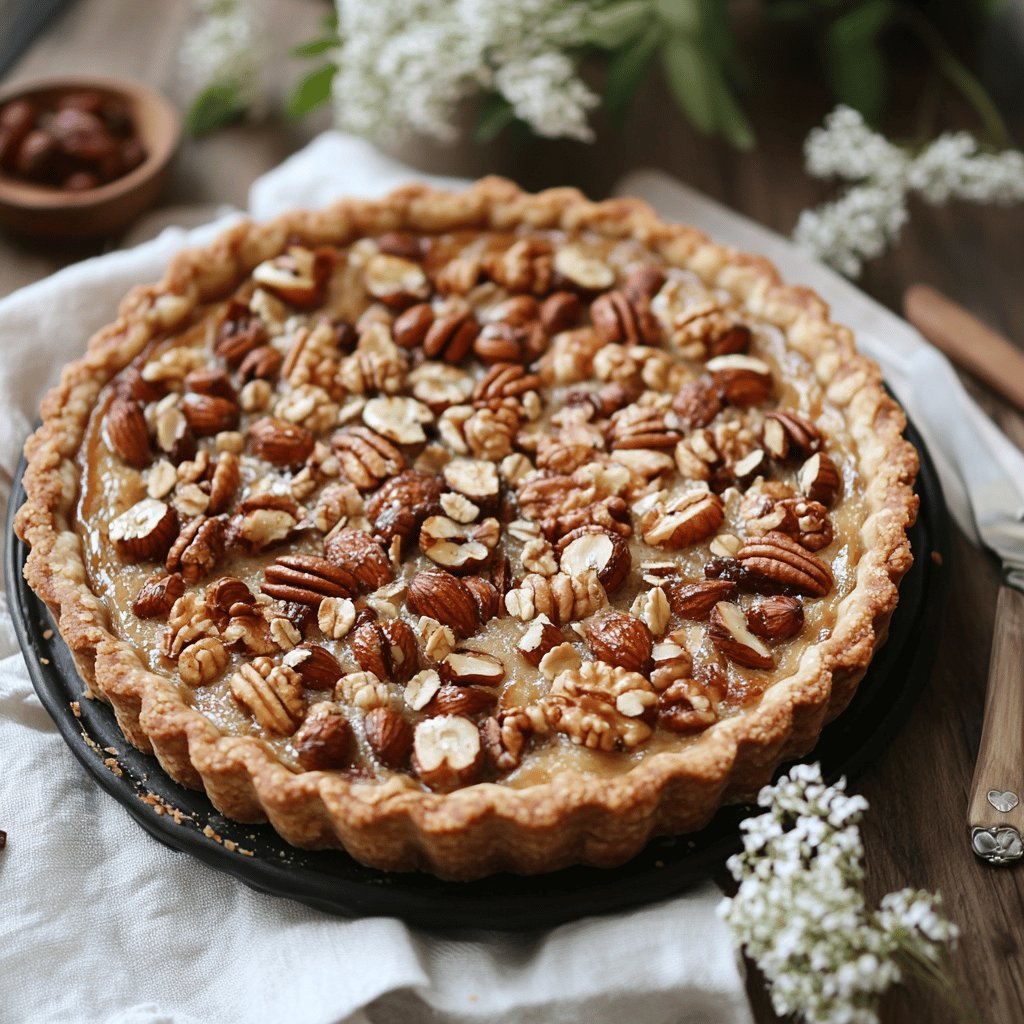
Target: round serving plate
332	881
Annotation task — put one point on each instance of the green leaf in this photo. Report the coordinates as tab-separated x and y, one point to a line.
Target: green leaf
679	15
312	91
862	24
216	106
732	122
626	69
613	27
853	60
495	116
315	47
689	80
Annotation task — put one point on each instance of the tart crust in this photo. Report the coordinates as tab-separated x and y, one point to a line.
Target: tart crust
485	827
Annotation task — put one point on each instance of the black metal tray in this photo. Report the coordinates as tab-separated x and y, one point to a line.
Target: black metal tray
332	881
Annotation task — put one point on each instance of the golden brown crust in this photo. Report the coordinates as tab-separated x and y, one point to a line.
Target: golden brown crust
485	827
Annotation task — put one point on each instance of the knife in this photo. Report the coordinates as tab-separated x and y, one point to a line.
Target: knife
996	809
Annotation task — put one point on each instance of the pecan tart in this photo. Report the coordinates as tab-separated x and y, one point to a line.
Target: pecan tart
471	531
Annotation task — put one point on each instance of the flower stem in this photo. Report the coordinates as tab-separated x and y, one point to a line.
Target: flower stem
938	977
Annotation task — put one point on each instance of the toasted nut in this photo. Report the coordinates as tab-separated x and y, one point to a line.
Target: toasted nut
211	380
782	563
420	690
366	458
590	547
389	735
583	268
744	380
336	616
461	700
465	667
541	636
618	319
620	639
670	663
486	596
307	580
561	597
403	503
698	402
208	415
439	385
280	443
318	668
324	740
561	658
451	337
239	331
387	649
364	690
398	419
145	531
396	281
202	662
447	752
525	266
410	328
776	617
458	547
683	520
750	466
788	434
401	243
644	282
272	693
447	599
695	599
299	275
560	311
127	432
438	641
477	479
653	608
228	597
518	310
262	363
819	479
157	595
727	629
362	556
686	706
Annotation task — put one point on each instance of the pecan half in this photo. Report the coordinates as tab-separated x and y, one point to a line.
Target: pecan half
617	318
787	434
698	402
262	363
144	531
620	639
641	427
272	693
325	739
307	580
366	458
444	597
560	311
505	380
451	337
525	266
127	432
782	563
502	342
239	331
410	327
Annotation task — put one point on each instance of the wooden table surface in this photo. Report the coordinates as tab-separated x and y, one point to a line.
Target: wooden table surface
915	830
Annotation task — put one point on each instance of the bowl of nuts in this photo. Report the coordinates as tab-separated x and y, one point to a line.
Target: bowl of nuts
82	157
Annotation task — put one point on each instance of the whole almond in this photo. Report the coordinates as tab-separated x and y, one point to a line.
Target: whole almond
776	617
127	432
461	700
619	639
316	665
389	735
324	740
208	415
694	600
442	596
280	443
540	637
211	380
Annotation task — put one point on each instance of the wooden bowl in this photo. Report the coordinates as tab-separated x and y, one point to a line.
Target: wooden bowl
57	214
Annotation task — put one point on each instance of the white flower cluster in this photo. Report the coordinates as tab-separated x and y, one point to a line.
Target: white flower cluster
225	46
405	65
800	913
869	216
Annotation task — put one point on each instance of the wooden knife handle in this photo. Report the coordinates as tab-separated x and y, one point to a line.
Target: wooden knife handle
967	341
996	813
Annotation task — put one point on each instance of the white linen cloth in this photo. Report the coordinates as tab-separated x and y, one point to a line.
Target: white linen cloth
101	923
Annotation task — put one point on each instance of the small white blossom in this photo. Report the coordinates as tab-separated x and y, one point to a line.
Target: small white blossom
869	216
406	65
800	912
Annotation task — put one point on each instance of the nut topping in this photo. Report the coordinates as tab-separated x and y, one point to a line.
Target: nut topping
447	599
336	616
272	694
727	629
776	617
540	637
398	419
618	319
280	443
561	598
387	649
208	414
694	600
410	327
583	269
465	667
420	690
157	595
590	547
389	736
620	639
446	752
324	740
403	503
683	520
362	556
744	380
145	531
127	432
317	667
782	563
298	276
459	547
202	662
819	479
788	434
461	700
451	337
396	281
486	595
477	479
366	458
307	579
